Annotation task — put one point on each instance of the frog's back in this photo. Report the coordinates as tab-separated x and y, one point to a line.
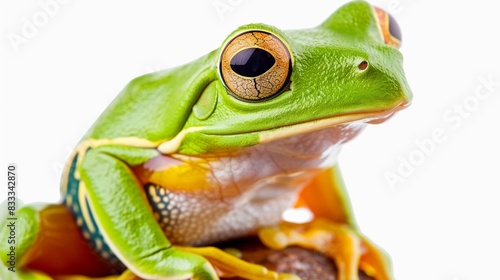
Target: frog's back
155	106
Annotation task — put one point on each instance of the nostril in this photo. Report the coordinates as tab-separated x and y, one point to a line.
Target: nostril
363	65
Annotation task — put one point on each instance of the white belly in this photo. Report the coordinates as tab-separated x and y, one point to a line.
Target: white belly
251	189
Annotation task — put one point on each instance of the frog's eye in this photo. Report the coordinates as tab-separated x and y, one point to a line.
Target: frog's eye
255	66
389	28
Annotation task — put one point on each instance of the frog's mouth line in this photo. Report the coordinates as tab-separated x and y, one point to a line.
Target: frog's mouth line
374	117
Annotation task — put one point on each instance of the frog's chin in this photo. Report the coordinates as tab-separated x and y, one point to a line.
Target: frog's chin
381	119
371	117
389	115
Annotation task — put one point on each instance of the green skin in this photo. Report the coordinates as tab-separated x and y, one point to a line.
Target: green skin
154	109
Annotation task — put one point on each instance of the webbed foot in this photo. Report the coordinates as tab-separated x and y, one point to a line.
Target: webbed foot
348	248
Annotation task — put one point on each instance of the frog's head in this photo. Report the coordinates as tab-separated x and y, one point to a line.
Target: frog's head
274	84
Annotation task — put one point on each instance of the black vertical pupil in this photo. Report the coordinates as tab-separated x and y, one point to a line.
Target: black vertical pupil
252	62
394	29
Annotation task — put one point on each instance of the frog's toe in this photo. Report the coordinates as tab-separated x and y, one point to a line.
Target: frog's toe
348	248
228	265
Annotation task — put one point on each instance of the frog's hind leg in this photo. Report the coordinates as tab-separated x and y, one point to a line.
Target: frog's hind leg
333	230
49	241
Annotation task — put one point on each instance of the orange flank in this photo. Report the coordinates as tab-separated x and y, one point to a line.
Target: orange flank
175	175
323	196
60	249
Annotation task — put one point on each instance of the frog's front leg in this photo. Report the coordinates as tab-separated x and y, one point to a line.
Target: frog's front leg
124	218
332	232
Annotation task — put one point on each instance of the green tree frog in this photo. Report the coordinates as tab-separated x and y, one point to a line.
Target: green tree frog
218	149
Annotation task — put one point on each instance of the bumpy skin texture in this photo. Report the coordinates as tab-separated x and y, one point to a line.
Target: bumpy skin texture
179	159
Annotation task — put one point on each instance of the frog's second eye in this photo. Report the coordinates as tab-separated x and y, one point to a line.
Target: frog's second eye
389	28
255	66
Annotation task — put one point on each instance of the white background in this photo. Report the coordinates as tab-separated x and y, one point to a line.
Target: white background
442	222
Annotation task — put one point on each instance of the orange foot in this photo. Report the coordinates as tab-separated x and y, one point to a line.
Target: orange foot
347	247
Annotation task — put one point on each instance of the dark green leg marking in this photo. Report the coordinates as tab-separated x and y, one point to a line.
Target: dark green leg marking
88	227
